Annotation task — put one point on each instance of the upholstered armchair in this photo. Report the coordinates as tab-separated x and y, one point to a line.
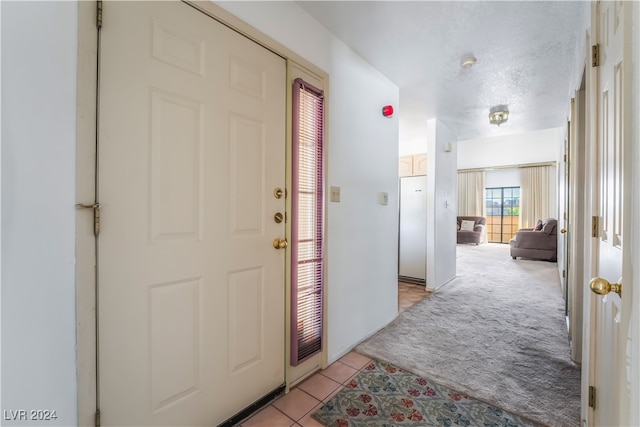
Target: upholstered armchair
537	243
471	229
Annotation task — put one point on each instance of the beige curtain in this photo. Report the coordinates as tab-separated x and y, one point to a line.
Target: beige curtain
471	188
536	195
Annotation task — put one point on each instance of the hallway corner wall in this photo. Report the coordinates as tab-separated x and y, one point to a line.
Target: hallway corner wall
39	58
442	204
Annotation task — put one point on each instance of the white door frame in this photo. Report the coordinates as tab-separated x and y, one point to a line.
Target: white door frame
581	227
85	193
634	255
86	327
588	253
579	230
563	206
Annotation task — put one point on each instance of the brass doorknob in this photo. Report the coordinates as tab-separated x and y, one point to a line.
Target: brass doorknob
280	243
563	231
602	286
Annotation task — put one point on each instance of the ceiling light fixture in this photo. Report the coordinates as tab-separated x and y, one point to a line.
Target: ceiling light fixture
498	115
468	62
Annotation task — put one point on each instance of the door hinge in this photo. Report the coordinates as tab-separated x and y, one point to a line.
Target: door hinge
564	274
96	215
592	397
595	226
99	14
595	55
97	418
565	158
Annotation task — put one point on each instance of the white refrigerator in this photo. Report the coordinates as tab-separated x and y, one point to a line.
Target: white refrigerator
413	229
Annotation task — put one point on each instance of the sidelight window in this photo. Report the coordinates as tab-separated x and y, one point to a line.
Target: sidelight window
307	222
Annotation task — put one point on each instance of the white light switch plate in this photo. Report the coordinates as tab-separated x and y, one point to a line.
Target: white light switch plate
383	198
335	194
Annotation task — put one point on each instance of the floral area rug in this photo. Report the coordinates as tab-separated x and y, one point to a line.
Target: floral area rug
385	396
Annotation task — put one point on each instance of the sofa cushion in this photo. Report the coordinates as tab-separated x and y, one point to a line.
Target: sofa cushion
467	225
538	226
549	226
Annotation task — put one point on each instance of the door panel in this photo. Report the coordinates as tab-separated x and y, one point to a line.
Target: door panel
191	289
610	365
174	341
176	180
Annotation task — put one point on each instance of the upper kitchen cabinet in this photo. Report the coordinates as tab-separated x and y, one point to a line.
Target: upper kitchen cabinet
412	165
420	164
405	167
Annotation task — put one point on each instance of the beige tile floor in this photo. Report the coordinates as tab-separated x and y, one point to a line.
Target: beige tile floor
295	408
409	294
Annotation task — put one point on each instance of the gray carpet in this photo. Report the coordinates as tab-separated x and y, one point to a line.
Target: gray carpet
497	333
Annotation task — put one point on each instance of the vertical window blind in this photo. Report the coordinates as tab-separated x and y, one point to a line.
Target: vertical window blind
307	222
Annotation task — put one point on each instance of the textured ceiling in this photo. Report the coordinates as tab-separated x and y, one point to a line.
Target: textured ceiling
526	52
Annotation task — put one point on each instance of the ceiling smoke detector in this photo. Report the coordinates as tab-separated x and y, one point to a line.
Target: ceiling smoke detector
498	115
468	62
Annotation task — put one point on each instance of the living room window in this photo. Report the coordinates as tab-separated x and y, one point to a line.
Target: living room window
503	213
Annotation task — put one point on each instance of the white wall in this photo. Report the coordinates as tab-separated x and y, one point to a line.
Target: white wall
414	120
39	43
530	147
442	204
362	236
503	178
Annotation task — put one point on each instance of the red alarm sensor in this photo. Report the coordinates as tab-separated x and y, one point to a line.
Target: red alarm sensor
387	111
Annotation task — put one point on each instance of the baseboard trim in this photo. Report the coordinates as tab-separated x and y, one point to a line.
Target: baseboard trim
442	284
412	280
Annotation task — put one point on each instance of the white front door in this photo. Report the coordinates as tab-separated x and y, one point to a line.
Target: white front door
191	148
610	342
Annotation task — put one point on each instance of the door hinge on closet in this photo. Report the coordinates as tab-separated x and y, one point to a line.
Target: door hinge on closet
595	226
595	55
592	397
99	14
96	215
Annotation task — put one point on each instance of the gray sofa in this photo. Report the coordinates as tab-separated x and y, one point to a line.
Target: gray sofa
477	235
536	244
